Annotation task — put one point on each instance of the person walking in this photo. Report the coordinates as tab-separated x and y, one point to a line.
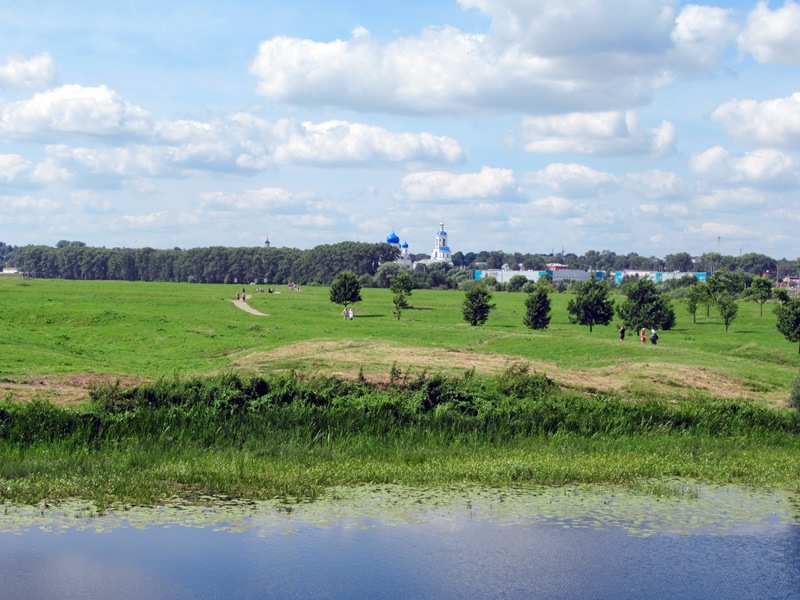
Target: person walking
654	337
643	335
622	333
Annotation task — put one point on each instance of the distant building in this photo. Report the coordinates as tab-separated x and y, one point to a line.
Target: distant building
440	254
403	259
557	275
441	251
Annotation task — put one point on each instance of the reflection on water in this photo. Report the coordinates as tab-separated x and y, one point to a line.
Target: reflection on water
570	542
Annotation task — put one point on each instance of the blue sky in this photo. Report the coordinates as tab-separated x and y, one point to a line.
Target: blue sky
524	125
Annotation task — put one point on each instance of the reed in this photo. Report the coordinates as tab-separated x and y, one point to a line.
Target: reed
293	435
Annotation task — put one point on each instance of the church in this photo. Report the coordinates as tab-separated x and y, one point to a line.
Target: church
440	254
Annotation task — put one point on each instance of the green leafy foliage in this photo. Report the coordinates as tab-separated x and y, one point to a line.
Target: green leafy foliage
761	290
477	306
345	289
789	320
591	305
794	394
645	307
727	308
537	309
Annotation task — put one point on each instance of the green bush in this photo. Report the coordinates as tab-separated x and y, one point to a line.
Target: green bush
794	394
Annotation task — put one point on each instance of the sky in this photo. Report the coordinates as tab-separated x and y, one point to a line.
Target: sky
530	126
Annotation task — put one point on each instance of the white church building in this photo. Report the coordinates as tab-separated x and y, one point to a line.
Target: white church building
440	254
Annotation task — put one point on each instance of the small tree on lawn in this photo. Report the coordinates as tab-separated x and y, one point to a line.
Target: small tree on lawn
645	307
694	298
761	289
537	309
727	307
789	320
591	305
346	289
476	305
401	287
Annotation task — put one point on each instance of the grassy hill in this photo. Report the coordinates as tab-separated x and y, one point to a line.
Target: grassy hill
60	337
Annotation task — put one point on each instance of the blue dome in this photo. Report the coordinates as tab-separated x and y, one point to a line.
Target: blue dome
393	239
404	245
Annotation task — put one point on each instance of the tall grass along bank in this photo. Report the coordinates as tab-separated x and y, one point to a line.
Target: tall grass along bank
292	436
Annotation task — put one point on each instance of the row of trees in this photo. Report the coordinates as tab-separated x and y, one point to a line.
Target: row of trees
205	265
75	260
6	255
606	260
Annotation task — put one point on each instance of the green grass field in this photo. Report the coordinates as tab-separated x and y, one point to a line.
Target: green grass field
622	415
56	332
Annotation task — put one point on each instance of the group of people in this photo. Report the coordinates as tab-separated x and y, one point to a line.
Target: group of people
642	335
348	313
260	290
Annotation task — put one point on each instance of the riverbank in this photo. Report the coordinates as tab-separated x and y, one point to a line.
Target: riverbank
293	437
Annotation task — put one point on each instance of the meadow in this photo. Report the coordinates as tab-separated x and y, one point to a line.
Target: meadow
73	333
424	400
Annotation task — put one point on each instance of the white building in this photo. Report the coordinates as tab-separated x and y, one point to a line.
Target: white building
441	251
403	259
440	254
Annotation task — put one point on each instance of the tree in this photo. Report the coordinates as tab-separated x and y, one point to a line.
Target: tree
516	282
727	307
645	307
476	305
591	305
401	288
537	309
781	295
682	261
386	272
694	297
345	289
789	320
761	288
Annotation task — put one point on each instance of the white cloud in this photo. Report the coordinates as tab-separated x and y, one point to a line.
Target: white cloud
552	206
701	35
669	211
771	35
341	143
73	109
249	201
26	204
440	185
730	200
655	184
50	171
770	123
762	168
574	180
615	54
23	73
618	28
12	165
714	230
610	133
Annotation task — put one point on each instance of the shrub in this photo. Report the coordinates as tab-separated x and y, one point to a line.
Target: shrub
794	394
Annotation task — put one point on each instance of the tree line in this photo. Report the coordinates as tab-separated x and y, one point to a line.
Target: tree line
371	263
216	264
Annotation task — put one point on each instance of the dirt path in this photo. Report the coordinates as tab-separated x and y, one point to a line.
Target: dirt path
246	307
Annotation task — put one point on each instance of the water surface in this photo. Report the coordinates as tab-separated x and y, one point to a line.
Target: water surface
388	542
